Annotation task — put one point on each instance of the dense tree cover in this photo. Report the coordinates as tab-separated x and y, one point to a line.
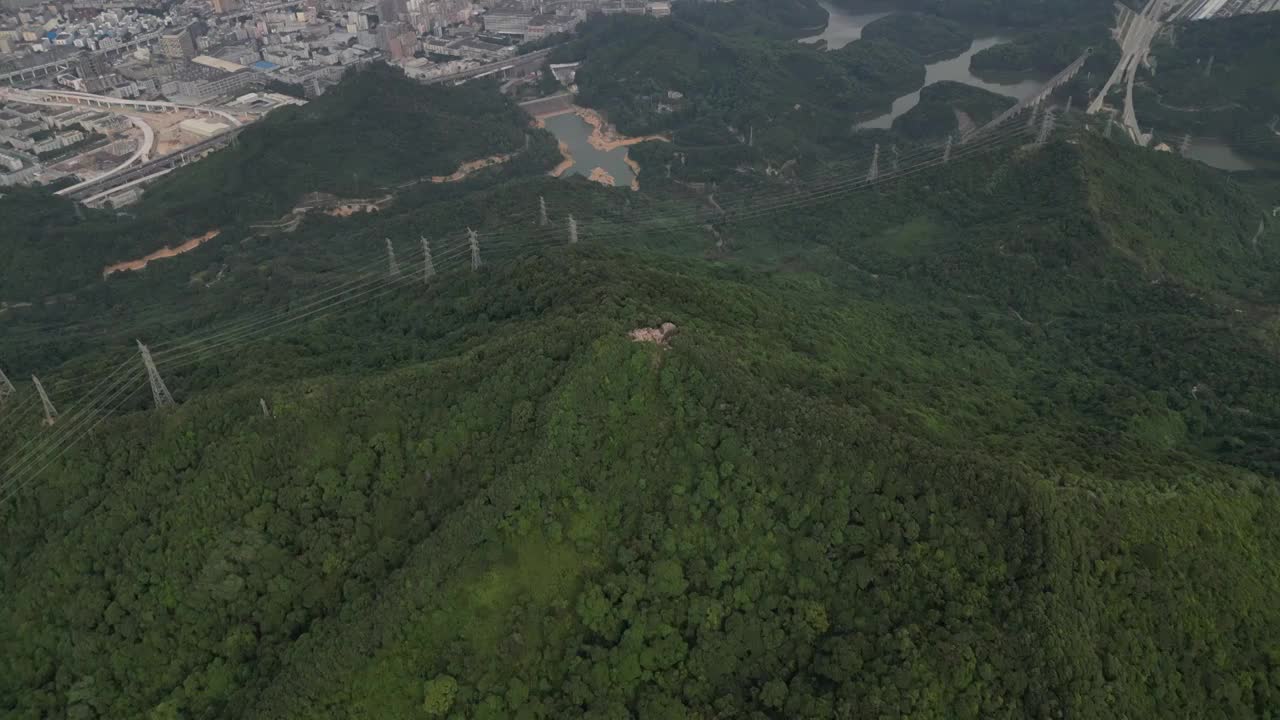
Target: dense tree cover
1010	13
941	106
1237	99
932	37
1046	51
982	448
649	75
765	18
374	131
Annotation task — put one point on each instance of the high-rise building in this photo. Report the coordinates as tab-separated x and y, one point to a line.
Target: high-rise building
178	44
95	71
222	7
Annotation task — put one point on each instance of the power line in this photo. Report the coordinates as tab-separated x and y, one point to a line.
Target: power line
210	345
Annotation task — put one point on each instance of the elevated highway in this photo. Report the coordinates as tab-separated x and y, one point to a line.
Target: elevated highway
101	187
34	72
1136	34
71	97
520	64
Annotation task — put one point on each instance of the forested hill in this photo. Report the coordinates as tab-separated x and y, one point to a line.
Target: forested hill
713	89
765	18
375	130
1237	98
1001	447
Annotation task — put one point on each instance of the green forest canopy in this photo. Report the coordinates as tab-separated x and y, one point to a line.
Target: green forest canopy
373	131
956	461
797	98
938	113
995	441
932	37
1238	98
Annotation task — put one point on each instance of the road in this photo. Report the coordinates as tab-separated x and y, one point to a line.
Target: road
1135	44
518	62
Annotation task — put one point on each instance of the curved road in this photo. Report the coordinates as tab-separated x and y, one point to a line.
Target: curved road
142	154
1134	46
79	98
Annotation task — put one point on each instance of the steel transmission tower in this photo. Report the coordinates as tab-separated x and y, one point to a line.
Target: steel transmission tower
159	392
393	268
475	249
1046	127
1185	145
6	388
573	231
1031	118
428	266
946	151
894	148
542	211
50	413
874	171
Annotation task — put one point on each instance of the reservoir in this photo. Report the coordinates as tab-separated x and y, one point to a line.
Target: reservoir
957	70
844	26
574	132
1218	154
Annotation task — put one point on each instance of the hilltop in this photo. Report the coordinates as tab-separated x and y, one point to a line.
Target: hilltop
958	448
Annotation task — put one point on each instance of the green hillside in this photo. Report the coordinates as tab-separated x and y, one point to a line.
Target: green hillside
1237	98
779	19
941	106
992	448
650	75
371	133
932	37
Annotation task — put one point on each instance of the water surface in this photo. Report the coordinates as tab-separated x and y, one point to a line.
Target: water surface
1218	154
956	69
573	131
845	26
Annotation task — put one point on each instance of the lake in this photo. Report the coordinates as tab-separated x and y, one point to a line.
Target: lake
845	26
1218	154
574	132
957	69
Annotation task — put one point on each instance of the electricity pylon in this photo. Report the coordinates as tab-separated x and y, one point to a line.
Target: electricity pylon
475	249
542	211
946	151
393	268
573	231
428	266
6	388
874	171
50	413
159	392
1046	127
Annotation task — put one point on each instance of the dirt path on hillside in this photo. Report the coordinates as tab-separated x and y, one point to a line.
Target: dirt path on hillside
164	252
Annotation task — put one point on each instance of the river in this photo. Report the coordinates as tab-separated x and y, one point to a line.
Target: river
845	26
